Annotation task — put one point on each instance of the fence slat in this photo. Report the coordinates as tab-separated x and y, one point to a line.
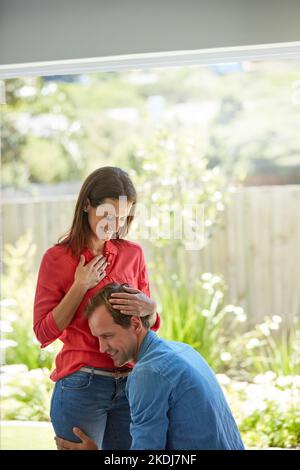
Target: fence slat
256	249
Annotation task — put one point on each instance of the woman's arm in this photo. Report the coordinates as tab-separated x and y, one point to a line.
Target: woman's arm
64	312
138	301
85	278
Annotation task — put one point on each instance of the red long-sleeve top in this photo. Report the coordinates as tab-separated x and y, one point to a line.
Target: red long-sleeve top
56	276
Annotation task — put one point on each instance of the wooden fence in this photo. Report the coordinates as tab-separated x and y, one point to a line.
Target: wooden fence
257	249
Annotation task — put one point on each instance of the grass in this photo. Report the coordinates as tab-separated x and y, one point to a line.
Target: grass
24	435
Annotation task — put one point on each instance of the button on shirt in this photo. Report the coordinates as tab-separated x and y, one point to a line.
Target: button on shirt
176	402
56	276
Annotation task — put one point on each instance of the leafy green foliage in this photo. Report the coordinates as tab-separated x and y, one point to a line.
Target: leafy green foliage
182	196
236	113
25	394
18	287
195	313
269	346
267	410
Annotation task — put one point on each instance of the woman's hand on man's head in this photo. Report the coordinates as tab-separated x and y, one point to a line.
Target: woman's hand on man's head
133	302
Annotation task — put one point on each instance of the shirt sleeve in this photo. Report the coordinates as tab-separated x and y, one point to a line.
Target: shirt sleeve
148	395
49	292
143	285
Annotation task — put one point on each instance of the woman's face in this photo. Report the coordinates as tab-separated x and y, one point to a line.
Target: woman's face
106	219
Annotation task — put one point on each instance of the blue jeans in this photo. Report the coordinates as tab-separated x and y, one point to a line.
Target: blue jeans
97	405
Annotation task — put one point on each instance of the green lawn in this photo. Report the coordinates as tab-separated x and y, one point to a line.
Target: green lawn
16	435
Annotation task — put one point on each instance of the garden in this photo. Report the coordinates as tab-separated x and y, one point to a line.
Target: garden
61	127
258	369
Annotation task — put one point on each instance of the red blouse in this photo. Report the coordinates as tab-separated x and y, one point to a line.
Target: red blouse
56	276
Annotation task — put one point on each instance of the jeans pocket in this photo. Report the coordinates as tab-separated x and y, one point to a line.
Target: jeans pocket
77	381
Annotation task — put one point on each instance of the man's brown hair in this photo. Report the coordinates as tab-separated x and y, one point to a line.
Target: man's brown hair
102	298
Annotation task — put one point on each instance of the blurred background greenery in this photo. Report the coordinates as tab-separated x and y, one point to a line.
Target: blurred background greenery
186	135
244	116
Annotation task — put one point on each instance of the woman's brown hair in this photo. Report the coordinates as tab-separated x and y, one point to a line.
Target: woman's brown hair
106	182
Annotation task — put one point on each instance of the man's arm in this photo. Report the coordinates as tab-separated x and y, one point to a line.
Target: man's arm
148	395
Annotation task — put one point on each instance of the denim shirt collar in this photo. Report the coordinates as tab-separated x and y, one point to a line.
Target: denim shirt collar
146	343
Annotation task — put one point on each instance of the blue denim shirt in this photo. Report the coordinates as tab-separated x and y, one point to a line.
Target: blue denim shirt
176	401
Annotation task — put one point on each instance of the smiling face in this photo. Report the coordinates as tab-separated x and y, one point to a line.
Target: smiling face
106	219
120	343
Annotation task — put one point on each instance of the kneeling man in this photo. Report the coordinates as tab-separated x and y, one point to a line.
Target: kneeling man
175	399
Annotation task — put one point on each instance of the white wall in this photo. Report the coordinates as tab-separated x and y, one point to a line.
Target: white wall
46	30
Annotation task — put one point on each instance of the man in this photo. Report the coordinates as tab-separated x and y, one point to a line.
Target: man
174	397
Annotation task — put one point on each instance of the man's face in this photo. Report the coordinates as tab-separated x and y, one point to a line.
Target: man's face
119	343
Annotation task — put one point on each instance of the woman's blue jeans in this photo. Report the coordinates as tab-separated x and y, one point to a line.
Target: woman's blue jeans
94	403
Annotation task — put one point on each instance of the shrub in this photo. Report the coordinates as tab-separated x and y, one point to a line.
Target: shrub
25	394
270	345
18	286
267	411
195	313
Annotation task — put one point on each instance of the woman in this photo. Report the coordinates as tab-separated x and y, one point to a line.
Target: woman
90	256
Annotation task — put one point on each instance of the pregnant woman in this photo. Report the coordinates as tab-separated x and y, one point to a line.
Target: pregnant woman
89	390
